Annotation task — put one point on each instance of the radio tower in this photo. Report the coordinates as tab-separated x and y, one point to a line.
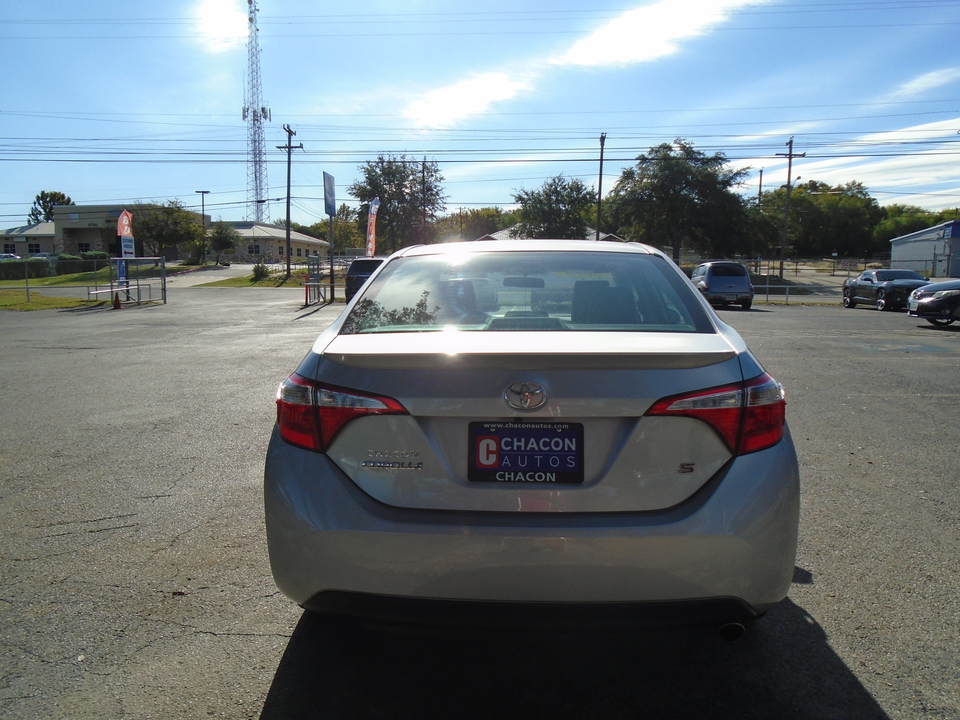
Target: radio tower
255	113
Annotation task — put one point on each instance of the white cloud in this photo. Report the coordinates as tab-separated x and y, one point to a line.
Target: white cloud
639	35
649	32
925	83
929	170
443	107
221	25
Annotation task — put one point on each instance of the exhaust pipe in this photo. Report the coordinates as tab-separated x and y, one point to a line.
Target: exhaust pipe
732	631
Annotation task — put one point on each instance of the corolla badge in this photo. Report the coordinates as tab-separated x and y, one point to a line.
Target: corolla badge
525	396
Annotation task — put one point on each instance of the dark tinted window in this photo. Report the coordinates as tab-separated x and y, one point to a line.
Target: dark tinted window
364	267
883	275
731	270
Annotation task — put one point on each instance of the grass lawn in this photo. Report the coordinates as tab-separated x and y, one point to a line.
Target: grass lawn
100	277
17	300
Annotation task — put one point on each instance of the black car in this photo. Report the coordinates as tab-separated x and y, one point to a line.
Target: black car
360	269
884	289
937	303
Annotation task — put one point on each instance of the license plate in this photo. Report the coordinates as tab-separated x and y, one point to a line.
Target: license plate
526	452
912	305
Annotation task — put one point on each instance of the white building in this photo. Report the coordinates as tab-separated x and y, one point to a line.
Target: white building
934	252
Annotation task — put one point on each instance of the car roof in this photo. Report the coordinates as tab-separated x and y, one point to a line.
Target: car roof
540	245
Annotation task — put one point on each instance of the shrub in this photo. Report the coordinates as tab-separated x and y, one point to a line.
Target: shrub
28	268
69	264
260	272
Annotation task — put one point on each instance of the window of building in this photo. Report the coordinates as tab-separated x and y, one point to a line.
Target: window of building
10	248
83	247
280	250
33	248
299	252
253	250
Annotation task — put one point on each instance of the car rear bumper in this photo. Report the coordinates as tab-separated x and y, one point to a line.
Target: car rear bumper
732	545
728	297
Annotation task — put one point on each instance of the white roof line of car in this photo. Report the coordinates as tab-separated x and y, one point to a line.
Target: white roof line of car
520	245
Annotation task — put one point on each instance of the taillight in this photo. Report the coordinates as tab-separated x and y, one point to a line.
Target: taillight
749	416
310	414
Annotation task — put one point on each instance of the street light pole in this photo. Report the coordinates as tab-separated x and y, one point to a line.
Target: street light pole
203	220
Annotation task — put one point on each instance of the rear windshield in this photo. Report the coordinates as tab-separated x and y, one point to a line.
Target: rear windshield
529	291
363	267
898	275
728	270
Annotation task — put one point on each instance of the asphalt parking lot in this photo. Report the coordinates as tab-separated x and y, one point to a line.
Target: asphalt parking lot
135	582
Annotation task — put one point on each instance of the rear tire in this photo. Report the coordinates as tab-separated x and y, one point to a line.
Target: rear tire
746	304
882	303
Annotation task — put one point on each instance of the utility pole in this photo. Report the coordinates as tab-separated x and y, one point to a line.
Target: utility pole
603	139
423	196
790	155
289	148
203	220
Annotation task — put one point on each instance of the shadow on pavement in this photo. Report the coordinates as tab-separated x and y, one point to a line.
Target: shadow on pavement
784	668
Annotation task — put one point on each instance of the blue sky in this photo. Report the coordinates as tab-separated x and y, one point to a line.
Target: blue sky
118	102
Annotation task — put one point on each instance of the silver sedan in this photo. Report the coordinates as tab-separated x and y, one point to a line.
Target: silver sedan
532	431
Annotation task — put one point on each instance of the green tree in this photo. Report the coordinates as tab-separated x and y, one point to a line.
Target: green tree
902	220
474	223
828	218
43	204
223	237
677	195
411	196
169	225
346	229
559	209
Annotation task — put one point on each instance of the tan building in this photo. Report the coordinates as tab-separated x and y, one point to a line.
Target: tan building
87	228
93	228
268	243
28	240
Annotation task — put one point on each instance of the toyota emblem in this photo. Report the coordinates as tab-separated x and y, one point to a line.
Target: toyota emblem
525	396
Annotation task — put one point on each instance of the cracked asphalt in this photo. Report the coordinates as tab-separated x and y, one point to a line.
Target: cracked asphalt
134	580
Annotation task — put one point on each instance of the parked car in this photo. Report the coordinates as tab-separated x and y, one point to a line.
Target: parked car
360	269
884	289
558	429
724	282
937	303
9	256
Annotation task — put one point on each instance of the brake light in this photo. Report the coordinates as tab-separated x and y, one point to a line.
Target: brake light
310	414
749	416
